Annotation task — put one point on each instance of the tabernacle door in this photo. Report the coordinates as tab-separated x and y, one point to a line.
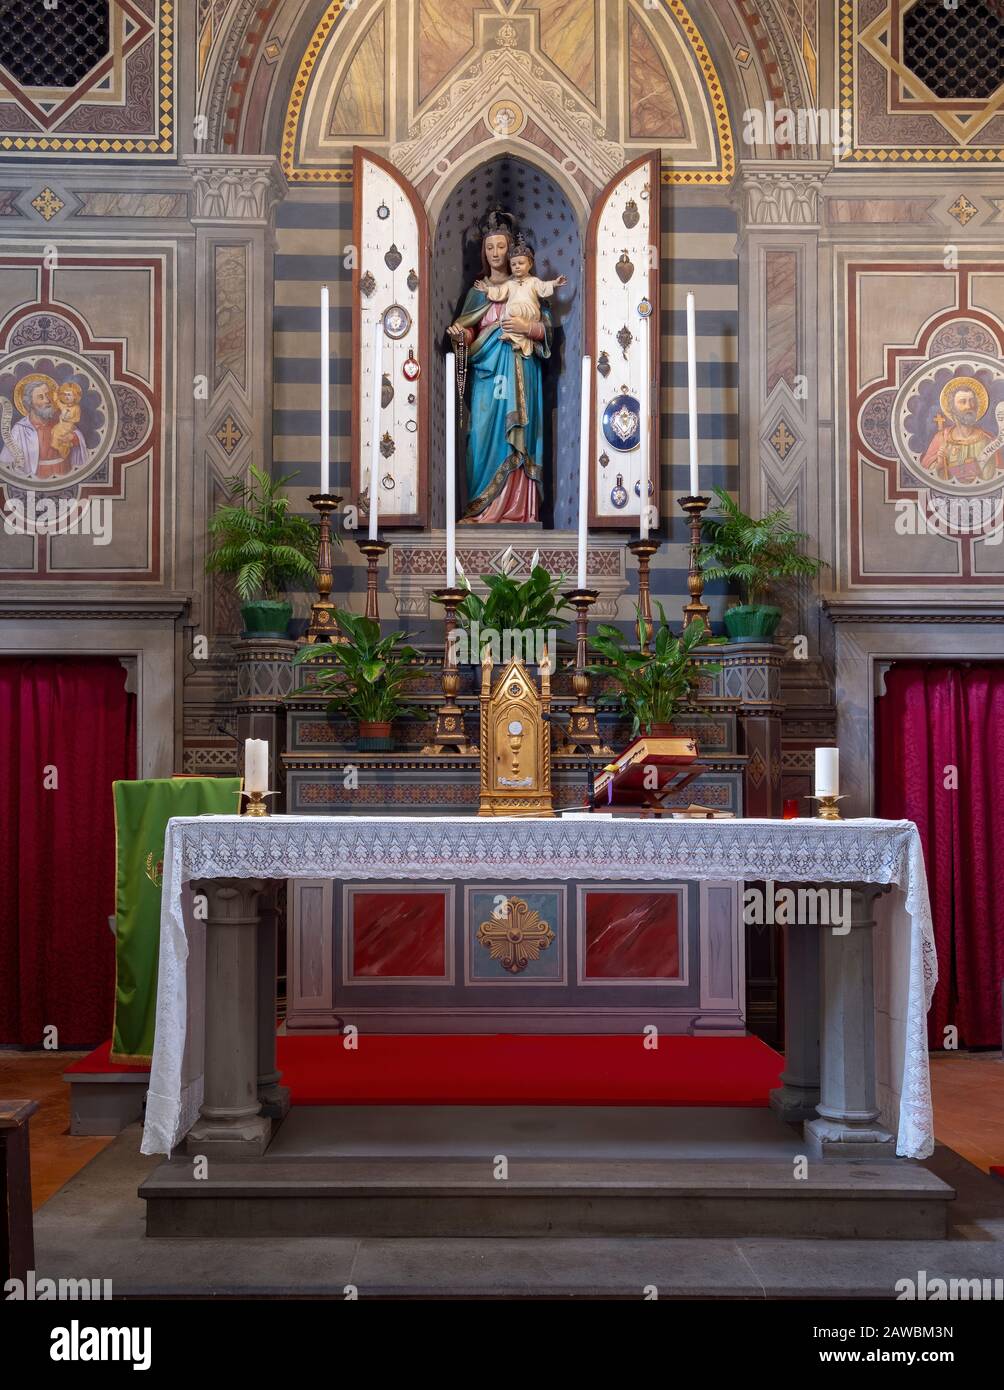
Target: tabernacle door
622	338
390	302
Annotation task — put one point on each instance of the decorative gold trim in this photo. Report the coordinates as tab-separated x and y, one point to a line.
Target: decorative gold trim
950	154
342	173
129	145
293	110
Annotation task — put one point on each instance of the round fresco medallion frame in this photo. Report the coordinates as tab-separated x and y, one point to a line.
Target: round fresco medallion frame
80	366
954	364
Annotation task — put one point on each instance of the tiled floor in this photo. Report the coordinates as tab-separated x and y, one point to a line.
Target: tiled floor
968	1090
968	1109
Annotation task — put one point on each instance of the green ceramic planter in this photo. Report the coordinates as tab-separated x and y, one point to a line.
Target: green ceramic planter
266	618
752	622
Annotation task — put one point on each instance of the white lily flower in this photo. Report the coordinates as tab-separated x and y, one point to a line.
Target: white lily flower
508	561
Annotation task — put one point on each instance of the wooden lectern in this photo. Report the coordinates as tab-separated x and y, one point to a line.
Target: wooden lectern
646	774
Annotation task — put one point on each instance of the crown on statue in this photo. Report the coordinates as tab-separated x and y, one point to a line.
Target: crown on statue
522	248
498	220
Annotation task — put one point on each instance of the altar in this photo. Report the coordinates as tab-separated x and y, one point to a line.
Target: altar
207	1062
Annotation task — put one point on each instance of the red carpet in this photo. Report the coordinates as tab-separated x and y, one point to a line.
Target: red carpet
514	1069
100	1061
511	1069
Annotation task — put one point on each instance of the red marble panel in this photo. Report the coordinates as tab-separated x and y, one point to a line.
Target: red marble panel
399	935
632	936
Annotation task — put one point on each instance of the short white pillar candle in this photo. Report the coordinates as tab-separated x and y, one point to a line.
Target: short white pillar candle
255	765
827	772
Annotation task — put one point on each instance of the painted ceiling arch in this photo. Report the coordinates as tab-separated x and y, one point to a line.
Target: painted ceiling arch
309	78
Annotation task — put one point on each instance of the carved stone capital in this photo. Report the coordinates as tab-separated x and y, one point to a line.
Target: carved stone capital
235	188
779	193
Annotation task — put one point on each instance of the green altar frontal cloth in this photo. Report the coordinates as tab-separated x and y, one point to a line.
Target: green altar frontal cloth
142	810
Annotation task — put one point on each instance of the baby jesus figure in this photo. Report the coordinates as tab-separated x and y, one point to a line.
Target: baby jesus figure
522	293
64	433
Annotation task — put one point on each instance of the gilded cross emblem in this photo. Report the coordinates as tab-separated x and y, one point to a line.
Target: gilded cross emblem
782	439
47	204
229	434
515	935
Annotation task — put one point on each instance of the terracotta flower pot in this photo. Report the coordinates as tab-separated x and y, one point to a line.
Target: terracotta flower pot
374	736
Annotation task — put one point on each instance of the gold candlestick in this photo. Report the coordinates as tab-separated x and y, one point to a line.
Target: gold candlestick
449	735
256	803
373	550
696	610
583	728
323	623
827	807
643	550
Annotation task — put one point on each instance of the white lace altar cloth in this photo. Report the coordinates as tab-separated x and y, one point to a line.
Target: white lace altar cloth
606	850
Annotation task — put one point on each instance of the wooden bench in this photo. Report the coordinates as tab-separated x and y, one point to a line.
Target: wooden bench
17	1240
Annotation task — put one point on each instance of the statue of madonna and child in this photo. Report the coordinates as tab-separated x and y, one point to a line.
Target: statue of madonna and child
502	337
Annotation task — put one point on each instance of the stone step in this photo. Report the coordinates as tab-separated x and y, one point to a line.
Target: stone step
390	1197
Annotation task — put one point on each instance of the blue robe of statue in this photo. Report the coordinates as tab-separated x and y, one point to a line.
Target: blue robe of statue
505	433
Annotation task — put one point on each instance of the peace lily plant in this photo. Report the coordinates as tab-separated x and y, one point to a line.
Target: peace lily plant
529	607
367	677
653	684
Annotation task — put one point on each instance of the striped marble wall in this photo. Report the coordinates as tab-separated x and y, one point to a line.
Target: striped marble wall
314	231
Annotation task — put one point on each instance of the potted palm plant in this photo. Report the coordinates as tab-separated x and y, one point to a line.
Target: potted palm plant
367	677
257	540
652	684
753	553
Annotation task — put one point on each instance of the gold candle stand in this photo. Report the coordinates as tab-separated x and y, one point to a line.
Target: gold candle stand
449	735
643	552
696	610
373	551
583	728
256	803
827	807
323	624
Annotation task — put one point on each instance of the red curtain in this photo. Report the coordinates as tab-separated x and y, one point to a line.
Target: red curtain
67	730
940	762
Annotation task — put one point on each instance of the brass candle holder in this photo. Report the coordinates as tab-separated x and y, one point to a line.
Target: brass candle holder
449	735
696	610
583	728
827	807
373	551
643	550
256	803
323	623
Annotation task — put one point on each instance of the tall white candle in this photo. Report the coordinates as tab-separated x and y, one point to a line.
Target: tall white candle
255	765
692	391
827	772
643	431
375	437
584	424
451	470
325	392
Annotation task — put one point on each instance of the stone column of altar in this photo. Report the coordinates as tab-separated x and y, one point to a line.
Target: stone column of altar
798	1095
847	1114
273	1096
230	1123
